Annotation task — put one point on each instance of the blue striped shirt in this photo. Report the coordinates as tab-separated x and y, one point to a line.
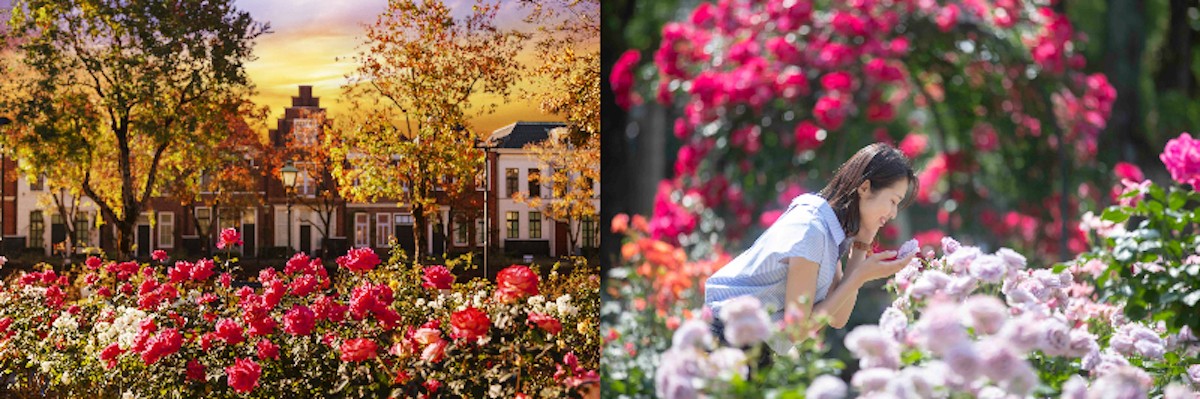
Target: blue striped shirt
808	229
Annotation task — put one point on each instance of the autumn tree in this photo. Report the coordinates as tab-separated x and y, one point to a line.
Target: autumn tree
306	147
567	85
234	167
417	85
143	74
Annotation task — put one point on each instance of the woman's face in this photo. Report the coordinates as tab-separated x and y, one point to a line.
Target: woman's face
877	207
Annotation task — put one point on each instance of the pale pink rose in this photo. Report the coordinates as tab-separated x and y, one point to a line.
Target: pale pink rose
872	380
985	314
963	360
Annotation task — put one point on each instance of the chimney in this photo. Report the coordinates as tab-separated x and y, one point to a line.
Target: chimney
305	99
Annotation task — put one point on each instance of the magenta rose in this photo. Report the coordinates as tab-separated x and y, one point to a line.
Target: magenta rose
243	375
299	321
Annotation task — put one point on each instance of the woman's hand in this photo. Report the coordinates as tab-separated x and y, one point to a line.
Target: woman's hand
864	268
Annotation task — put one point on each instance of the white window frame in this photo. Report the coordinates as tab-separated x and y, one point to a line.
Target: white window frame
460	223
479	231
166	224
362	229
383	229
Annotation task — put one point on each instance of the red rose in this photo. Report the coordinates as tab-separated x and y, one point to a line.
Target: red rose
299	321
159	255
91	278
206	341
267	350
226	279
93	262
4	324
54	297
273	294
109	355
180	273
165	343
298	263
546	322
516	282
202	270
303	285
195	370
470	323
229	331
437	277
401	378
358	349
432	385
229	237
359	260
104	292
243	375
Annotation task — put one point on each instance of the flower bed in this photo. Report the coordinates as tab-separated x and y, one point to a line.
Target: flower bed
371	329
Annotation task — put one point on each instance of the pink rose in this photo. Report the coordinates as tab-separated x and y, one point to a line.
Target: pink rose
159	255
545	322
435	351
229	237
202	270
1182	158
358	349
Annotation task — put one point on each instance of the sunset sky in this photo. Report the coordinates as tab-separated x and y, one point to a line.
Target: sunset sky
314	41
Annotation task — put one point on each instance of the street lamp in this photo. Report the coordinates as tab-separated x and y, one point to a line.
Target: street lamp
487	236
3	173
288	175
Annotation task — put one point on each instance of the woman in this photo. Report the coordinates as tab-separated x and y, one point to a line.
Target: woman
799	255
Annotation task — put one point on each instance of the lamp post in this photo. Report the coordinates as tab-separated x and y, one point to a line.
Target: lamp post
3	174
288	175
481	144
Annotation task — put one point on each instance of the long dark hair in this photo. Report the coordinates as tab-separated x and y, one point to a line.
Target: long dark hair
879	163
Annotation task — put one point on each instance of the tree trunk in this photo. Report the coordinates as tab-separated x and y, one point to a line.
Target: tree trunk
125	236
1123	43
419	222
1176	73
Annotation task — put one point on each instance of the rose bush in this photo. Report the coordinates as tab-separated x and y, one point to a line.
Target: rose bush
367	329
770	96
966	324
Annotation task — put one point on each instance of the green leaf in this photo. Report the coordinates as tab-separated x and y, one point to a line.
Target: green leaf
1155	207
1059	268
1115	215
1157	194
1177	200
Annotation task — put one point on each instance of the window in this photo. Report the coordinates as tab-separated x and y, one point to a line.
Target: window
383	229
535	183
37	229
362	230
81	229
229	218
590	231
514	225
166	229
535	225
460	231
203	216
305	131
38	184
558	184
589	184
479	231
511	176
281	227
404	219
